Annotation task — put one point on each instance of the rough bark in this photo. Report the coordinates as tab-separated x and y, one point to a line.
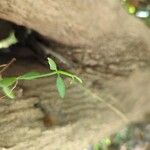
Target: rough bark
72	23
89	114
115	46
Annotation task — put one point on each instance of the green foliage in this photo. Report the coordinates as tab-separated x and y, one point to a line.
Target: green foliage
120	136
131	9
97	147
52	64
6	84
103	145
140	9
8	92
60	86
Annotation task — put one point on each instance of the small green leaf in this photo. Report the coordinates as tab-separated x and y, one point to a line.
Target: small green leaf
8	92
7	82
60	86
52	64
30	76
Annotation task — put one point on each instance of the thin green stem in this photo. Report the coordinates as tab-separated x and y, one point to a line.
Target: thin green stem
47	74
65	73
37	76
69	75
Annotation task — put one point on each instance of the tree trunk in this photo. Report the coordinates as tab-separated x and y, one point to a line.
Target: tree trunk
111	52
75	23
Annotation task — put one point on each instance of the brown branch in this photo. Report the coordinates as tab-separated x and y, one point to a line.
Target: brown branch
1	66
7	65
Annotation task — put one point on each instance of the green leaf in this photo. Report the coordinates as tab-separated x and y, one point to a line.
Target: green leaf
52	64
30	76
60	86
8	92
6	82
